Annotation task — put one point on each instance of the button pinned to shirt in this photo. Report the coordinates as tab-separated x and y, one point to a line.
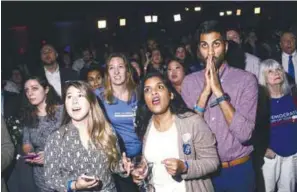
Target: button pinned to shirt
213	118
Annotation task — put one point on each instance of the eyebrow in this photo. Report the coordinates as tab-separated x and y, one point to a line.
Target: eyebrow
70	93
157	84
31	86
112	65
212	41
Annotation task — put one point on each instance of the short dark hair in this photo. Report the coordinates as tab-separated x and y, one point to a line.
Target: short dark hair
179	45
236	29
182	63
94	68
211	26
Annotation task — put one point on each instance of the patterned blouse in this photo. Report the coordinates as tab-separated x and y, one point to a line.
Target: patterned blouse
66	159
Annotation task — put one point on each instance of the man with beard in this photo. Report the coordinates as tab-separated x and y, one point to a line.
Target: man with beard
55	75
227	99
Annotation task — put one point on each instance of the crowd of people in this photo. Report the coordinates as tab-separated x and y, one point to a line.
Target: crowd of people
218	114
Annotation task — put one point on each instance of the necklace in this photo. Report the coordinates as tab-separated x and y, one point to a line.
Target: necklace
277	99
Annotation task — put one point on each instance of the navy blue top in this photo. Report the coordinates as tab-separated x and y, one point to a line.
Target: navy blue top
283	127
122	117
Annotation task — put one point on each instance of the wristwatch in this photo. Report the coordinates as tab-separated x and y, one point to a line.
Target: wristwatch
224	97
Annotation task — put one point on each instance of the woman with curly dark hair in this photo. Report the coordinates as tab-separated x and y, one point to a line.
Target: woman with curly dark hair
176	140
42	115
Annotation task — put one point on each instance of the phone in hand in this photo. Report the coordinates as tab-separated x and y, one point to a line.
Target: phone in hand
88	178
27	156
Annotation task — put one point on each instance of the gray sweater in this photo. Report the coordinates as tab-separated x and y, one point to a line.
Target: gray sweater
203	158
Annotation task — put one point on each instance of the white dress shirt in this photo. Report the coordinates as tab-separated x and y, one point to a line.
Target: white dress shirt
285	62
252	64
54	79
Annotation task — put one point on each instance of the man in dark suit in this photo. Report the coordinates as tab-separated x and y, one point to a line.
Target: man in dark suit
288	56
55	75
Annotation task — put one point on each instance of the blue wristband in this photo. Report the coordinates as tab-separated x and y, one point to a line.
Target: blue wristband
199	109
69	186
187	165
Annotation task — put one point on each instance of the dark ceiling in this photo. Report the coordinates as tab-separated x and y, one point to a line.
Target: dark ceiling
26	13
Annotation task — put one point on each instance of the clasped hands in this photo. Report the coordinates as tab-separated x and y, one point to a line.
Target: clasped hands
212	82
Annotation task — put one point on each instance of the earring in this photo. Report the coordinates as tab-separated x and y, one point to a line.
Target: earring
172	96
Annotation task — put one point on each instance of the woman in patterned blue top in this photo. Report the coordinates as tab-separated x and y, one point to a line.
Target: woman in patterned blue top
42	116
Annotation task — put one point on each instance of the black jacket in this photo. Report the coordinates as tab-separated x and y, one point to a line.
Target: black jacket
12	104
65	75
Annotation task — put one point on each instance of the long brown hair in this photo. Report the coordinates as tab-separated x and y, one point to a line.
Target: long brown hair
131	85
29	111
101	133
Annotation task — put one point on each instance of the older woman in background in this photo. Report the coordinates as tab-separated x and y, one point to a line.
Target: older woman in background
280	158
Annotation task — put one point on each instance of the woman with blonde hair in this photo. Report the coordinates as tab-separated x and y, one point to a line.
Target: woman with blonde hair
83	153
119	97
280	157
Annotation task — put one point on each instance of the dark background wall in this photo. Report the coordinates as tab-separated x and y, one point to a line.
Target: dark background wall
25	25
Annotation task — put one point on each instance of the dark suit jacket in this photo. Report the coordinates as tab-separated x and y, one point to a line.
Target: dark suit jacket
65	75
